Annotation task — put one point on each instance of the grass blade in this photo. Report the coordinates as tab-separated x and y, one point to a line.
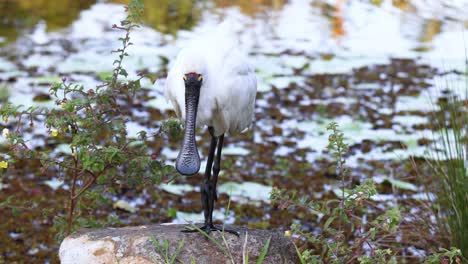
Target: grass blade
211	239
245	253
264	251
176	253
299	254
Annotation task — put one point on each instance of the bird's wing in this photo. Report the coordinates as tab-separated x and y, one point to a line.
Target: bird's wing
236	91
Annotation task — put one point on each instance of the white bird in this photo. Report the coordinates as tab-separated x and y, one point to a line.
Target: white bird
211	84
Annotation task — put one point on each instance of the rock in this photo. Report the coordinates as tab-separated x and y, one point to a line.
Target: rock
137	245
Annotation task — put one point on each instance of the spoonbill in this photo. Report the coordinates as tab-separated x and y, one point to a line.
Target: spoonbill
211	83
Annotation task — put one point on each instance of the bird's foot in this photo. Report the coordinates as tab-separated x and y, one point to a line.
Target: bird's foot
210	228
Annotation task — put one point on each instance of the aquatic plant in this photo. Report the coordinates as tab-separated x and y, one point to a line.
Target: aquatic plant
344	236
100	156
449	164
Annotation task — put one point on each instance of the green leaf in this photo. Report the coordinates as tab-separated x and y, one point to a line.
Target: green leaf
166	244
136	143
123	72
14	211
172	212
328	222
192	226
299	254
264	251
179	247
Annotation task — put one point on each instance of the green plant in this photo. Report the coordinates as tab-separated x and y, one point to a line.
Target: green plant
263	253
338	149
449	164
223	247
344	235
4	93
454	255
164	251
101	157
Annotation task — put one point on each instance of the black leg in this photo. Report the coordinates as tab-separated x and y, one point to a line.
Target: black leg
214	182
208	188
205	186
217	166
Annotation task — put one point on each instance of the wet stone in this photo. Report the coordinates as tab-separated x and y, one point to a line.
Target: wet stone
138	245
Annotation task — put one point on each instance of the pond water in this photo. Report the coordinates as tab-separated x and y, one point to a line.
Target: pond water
375	67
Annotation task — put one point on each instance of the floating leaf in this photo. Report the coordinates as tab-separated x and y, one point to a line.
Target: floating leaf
177	189
123	205
237	151
401	184
104	75
251	190
54	184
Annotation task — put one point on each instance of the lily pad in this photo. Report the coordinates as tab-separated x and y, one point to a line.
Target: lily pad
104	75
169	153
159	103
239	151
46	80
63	148
410	120
6	65
186	217
54	184
401	184
125	206
250	190
177	189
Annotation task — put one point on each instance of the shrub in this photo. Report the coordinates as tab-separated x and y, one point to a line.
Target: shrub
92	124
344	236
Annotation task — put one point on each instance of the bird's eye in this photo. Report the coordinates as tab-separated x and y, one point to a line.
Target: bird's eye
200	78
185	77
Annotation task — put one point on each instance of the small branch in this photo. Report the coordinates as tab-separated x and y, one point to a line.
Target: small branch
72	197
85	187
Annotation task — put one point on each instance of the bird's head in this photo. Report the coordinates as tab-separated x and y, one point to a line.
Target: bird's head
188	160
193	80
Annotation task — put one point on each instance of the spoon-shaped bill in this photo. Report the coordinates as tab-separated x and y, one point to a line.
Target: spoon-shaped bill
188	160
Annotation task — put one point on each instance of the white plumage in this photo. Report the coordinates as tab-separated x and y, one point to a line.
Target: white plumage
227	94
212	84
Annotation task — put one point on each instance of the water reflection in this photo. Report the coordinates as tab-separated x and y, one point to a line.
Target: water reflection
169	16
252	7
404	5
19	15
421	21
431	28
